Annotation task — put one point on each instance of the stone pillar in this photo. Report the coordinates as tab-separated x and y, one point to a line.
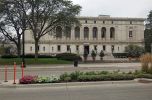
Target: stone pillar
116	33
108	33
72	33
63	34
81	49
81	33
99	33
90	33
73	48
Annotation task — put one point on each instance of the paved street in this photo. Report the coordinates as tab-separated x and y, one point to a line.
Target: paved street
47	70
117	91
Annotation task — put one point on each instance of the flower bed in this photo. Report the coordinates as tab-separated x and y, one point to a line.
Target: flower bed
38	79
85	77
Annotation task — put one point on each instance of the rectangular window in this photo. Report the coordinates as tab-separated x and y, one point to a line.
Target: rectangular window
95	47
95	22
38	48
112	48
68	47
77	48
130	22
104	48
130	34
31	48
52	49
86	21
43	48
59	48
103	22
111	22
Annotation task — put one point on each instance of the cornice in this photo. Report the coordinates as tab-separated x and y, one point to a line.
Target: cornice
111	18
85	41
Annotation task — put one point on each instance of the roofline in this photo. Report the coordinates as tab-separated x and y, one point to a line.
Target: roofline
111	18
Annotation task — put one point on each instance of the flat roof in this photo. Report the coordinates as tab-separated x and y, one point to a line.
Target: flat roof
110	18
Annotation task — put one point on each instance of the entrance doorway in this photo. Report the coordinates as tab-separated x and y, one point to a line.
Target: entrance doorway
86	48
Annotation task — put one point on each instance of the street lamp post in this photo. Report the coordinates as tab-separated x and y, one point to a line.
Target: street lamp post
23	44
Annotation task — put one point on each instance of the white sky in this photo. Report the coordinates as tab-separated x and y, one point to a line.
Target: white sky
115	8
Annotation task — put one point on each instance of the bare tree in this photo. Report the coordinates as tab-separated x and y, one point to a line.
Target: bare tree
45	15
4	40
41	17
12	22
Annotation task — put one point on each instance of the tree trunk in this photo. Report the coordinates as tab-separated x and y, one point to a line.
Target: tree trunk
19	48
36	48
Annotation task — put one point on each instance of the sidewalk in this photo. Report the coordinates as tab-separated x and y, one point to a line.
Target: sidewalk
94	65
10	84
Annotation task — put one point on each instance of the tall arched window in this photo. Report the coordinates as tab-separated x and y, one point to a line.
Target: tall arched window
58	32
103	32
77	32
86	32
112	32
95	32
67	32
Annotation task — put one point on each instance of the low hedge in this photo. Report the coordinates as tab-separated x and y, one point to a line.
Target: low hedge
109	77
68	56
9	56
144	76
102	76
39	56
27	56
120	55
70	77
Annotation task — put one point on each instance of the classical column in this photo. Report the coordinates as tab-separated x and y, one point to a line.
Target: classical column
72	33
99	33
116	33
63	34
90	33
108	33
81	33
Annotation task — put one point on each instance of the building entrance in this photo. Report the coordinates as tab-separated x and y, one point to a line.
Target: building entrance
86	49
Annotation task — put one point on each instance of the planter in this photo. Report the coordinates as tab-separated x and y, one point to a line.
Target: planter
75	63
137	59
101	58
129	59
85	59
94	58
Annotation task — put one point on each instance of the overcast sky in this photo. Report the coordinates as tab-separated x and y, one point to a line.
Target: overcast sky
115	8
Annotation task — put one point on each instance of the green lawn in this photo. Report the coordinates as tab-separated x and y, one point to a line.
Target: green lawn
33	61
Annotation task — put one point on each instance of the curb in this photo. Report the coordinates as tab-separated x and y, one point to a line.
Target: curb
64	84
143	80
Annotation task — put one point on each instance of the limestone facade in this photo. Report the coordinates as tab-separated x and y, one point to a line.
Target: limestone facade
110	34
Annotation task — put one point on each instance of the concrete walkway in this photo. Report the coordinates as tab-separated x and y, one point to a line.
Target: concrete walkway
93	65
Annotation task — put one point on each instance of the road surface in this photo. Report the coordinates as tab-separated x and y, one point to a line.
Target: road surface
125	91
